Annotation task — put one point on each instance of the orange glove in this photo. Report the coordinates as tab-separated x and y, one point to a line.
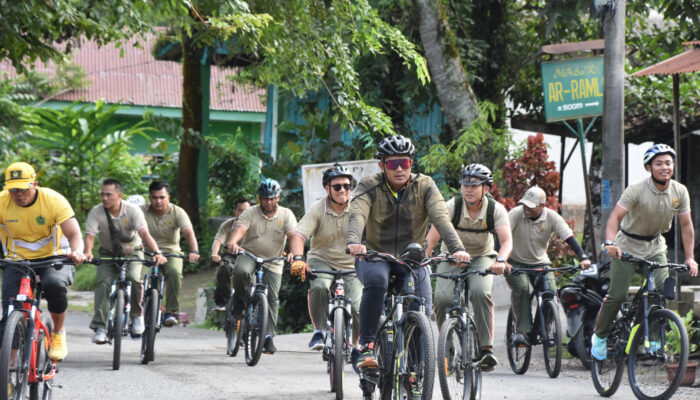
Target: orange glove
299	268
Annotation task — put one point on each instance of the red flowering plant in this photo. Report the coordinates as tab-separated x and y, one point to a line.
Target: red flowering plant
532	167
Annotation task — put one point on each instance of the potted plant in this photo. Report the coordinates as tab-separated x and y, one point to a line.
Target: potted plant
673	345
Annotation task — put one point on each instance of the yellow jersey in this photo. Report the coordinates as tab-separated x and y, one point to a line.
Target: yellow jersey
34	231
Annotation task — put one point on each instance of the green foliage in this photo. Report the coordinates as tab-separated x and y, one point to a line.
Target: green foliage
294	310
673	337
85	277
233	171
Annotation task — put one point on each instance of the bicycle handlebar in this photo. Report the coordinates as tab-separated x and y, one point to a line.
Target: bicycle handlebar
315	272
167	255
259	260
458	275
653	264
541	270
119	260
59	261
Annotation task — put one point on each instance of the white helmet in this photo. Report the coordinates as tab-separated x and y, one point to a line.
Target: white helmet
657	150
136	199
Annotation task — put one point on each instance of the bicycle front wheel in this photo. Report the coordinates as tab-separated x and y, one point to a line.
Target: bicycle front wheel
551	338
148	339
13	374
649	362
234	333
44	365
384	347
419	357
607	374
459	368
518	354
337	360
118	327
255	329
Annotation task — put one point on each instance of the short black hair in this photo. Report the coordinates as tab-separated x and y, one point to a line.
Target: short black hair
158	185
117	185
240	200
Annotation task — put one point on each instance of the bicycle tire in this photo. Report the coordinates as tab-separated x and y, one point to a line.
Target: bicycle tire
150	316
384	349
255	329
582	343
518	356
647	372
607	374
44	365
460	378
233	331
551	338
336	374
118	328
14	381
419	356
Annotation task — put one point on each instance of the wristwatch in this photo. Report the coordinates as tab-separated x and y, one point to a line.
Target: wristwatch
299	258
500	259
606	243
194	251
157	252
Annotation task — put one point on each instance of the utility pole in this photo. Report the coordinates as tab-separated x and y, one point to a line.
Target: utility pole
614	110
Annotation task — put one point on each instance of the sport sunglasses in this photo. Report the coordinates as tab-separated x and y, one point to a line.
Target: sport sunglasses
338	186
404	163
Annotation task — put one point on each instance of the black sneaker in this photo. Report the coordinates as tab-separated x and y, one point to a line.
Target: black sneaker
317	341
488	361
367	358
354	357
269	347
519	339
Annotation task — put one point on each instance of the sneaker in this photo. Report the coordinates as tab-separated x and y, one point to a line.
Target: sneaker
269	347
219	307
137	326
169	320
59	348
654	346
354	357
367	358
488	361
317	341
599	347
100	336
519	339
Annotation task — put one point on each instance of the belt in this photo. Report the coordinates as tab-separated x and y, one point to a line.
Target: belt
639	237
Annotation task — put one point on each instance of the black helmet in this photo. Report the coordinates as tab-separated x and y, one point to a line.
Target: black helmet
477	171
335	171
269	188
657	150
395	146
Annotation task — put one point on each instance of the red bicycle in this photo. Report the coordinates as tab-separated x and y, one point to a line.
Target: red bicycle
24	358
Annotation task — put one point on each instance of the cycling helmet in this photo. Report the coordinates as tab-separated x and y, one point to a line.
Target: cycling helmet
269	188
479	172
335	171
657	150
395	146
136	199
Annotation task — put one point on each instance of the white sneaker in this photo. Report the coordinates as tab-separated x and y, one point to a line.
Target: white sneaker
137	327
100	336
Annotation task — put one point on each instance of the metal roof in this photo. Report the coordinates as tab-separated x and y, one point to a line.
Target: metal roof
683	63
138	78
562	48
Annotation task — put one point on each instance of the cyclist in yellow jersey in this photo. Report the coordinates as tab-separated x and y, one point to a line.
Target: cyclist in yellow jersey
37	223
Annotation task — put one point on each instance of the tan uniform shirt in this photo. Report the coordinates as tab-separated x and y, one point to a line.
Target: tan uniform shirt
530	238
650	212
225	231
327	230
165	229
128	223
266	236
477	243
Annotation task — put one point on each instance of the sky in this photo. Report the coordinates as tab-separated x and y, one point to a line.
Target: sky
574	191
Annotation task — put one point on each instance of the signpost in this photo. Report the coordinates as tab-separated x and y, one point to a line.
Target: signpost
573	89
312	175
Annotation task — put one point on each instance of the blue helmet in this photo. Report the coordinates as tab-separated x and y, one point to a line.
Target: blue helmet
657	150
269	188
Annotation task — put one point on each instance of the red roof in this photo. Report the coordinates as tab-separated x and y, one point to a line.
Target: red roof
685	62
139	79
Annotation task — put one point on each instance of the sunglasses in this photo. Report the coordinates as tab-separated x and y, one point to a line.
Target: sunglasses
404	163
18	190
338	186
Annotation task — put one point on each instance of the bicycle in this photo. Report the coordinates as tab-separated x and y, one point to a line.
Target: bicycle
639	333
120	304
546	329
458	348
249	328
232	322
24	359
338	331
152	304
404	343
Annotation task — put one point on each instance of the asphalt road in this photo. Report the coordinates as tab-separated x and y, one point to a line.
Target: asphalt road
192	364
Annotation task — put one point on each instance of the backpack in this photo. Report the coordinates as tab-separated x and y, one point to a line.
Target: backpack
489	215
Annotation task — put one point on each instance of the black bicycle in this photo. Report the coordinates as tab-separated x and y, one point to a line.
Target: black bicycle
120	304
459	351
152	304
546	329
642	333
24	359
404	344
338	331
250	327
233	322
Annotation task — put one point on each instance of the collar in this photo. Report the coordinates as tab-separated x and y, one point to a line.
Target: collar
537	220
482	211
150	209
330	210
391	190
277	212
650	184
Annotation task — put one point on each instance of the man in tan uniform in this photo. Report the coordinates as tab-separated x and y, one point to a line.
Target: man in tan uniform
645	211
127	221
326	224
165	222
475	234
263	231
532	225
225	271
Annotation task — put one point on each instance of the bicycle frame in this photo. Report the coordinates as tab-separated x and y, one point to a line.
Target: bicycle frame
120	283
155	280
